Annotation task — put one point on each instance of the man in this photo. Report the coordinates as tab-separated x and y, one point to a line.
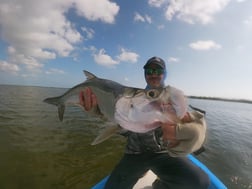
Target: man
149	150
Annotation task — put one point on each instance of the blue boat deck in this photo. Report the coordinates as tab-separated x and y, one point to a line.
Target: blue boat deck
215	181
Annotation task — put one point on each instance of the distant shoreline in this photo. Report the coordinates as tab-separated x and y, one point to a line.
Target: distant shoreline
221	99
193	97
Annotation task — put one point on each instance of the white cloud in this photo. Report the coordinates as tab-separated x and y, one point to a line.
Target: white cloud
156	3
54	71
8	67
195	10
39	30
248	21
139	18
148	19
94	10
89	32
30	62
104	59
101	58
173	59
92	48
205	45
161	27
128	56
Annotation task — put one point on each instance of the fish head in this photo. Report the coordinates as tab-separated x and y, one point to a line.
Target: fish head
140	110
150	94
143	99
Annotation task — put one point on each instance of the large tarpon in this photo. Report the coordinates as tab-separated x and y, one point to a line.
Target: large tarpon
128	108
131	108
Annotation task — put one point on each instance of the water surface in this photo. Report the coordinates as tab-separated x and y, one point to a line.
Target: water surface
38	151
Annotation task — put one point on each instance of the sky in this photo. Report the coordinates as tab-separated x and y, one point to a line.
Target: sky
207	45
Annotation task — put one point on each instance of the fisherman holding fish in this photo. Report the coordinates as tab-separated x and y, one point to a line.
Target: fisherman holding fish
164	149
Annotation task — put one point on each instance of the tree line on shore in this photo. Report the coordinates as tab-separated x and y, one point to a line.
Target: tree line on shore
221	99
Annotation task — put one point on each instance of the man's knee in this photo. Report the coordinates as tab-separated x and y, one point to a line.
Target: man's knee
201	182
206	183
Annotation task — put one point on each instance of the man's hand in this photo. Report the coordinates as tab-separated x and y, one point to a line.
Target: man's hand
169	134
88	99
187	118
169	131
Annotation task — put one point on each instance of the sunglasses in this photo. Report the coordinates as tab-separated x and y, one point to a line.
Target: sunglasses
151	71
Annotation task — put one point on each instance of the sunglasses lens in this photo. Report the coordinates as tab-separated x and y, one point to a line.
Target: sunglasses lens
150	71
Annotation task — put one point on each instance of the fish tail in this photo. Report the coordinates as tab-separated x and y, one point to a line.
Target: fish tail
57	102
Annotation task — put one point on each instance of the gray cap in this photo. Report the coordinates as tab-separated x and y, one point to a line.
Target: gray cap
155	60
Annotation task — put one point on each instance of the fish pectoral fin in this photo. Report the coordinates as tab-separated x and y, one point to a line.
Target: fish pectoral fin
57	102
106	133
61	110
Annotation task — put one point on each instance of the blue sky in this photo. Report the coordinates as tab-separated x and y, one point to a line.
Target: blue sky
206	44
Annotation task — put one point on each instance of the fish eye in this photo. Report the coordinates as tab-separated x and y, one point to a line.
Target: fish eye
153	93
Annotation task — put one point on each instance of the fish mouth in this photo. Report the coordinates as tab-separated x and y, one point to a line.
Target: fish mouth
139	114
